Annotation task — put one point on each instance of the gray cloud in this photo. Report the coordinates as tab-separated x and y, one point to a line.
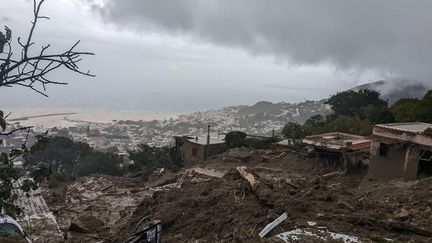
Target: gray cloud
389	36
5	19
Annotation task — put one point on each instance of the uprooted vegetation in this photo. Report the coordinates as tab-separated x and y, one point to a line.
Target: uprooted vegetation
213	202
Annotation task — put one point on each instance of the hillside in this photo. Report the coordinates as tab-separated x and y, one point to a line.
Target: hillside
397	89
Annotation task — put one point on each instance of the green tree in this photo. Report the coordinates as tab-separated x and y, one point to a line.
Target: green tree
377	114
235	139
62	154
425	108
147	159
353	125
314	125
293	131
100	163
9	174
410	110
260	142
69	158
350	103
406	110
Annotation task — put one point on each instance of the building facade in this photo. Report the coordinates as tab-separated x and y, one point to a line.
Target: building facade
401	151
199	148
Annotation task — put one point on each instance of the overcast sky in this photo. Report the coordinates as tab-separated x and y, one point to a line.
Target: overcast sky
196	54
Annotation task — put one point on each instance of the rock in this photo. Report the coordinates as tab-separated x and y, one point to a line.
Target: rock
86	224
403	214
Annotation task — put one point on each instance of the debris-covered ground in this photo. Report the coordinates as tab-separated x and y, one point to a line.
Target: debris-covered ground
218	202
91	209
36	219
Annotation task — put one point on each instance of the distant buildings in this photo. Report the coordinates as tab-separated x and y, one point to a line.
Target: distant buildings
401	151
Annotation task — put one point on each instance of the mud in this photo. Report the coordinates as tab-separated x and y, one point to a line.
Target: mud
211	202
227	210
110	201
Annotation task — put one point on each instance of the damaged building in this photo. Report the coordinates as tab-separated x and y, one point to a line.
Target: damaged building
401	151
197	148
340	149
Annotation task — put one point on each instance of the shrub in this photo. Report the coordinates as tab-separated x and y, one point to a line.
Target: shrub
235	139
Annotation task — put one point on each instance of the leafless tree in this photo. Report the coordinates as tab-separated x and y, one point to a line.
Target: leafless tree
32	71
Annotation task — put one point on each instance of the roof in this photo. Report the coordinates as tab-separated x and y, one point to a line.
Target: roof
411	127
338	141
202	140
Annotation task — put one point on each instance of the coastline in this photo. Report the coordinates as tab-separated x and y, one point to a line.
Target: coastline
47	117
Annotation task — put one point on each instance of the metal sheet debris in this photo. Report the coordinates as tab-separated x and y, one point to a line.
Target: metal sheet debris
272	225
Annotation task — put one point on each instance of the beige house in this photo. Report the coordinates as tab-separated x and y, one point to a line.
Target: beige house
199	148
401	151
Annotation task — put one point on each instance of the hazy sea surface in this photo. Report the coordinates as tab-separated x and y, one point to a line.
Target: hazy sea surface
51	119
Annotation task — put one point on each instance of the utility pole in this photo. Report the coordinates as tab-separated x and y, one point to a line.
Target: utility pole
208	142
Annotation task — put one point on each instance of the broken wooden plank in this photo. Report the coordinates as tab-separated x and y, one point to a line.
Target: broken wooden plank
332	174
267	169
248	176
262	191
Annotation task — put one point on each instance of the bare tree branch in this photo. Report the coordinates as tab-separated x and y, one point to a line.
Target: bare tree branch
32	71
14	131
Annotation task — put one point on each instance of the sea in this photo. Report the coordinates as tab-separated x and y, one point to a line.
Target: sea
49	117
63	107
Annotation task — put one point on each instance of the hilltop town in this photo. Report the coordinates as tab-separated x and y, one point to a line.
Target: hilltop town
121	135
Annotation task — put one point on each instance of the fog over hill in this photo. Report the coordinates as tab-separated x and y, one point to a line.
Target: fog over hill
393	90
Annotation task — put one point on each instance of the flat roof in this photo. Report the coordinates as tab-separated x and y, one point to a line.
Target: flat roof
338	140
413	127
202	140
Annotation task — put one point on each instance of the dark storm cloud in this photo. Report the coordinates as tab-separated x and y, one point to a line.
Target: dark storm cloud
383	35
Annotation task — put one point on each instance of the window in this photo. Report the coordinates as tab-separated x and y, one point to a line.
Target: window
194	152
425	164
383	149
7	229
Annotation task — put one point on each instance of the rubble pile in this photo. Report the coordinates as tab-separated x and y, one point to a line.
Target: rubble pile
234	200
331	205
93	208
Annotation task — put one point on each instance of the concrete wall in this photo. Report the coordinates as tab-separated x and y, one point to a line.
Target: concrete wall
357	158
201	151
400	162
188	152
